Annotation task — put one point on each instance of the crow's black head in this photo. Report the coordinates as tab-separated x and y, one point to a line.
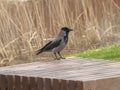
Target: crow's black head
66	29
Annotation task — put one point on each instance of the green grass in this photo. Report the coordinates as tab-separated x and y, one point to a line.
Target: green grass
110	53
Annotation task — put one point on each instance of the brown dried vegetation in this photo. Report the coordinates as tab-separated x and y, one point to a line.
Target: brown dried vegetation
26	26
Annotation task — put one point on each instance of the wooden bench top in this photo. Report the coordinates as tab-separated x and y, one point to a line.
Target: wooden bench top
82	69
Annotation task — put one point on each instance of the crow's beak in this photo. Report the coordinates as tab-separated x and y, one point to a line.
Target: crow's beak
71	29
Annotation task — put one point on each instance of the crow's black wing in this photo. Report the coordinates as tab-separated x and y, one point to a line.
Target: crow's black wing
50	46
42	49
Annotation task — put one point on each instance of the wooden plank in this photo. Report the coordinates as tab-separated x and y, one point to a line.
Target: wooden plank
56	84
0	82
47	84
64	85
70	69
17	83
79	85
25	83
10	79
90	85
3	82
72	85
74	69
33	85
108	84
40	83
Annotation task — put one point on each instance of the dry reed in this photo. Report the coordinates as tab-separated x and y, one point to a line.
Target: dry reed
28	25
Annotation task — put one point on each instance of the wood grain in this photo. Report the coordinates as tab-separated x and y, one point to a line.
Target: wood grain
25	83
67	74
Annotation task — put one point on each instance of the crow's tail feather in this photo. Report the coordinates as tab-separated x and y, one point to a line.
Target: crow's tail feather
39	51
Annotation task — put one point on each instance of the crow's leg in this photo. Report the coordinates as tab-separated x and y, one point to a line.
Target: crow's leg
60	55
56	56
